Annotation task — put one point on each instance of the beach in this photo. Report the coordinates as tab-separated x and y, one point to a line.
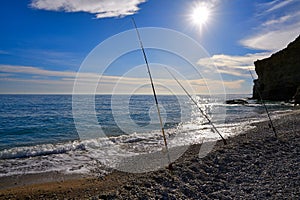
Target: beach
150	99
253	165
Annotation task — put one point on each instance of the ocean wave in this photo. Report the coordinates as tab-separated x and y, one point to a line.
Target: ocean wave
40	150
184	132
90	155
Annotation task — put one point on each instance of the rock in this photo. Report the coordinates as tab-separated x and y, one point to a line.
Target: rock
296	97
236	101
278	75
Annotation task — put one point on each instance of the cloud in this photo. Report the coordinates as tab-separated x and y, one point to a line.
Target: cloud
277	21
101	8
228	85
28	79
233	65
4	52
273	40
279	24
35	70
5	75
275	5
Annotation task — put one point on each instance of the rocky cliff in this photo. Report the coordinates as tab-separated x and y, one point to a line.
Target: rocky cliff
279	75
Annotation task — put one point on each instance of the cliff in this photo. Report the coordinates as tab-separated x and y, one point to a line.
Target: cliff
279	75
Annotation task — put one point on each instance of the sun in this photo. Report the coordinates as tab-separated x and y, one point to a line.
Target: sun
200	15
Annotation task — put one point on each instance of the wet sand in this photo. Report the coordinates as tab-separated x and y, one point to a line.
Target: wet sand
253	165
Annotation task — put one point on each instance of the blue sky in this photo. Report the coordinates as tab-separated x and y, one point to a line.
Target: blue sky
43	43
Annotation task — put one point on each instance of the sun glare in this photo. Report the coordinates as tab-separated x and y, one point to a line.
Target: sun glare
200	15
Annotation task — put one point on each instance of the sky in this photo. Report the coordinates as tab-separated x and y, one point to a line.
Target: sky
90	46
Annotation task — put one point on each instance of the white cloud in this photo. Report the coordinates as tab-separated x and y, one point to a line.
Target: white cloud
101	8
34	70
27	79
279	24
275	5
277	21
273	40
5	75
233	65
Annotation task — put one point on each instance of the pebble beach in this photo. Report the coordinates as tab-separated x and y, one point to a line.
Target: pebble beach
253	165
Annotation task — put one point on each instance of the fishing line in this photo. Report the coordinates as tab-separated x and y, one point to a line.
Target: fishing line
202	112
267	111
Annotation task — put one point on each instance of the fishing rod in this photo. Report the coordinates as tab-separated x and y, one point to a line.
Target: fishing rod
267	111
202	112
154	93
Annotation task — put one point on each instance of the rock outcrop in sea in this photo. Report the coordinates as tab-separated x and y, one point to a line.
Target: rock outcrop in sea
279	75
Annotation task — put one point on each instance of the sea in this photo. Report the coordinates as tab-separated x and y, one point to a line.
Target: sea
39	133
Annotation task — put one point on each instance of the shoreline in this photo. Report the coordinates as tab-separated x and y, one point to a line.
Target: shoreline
253	164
